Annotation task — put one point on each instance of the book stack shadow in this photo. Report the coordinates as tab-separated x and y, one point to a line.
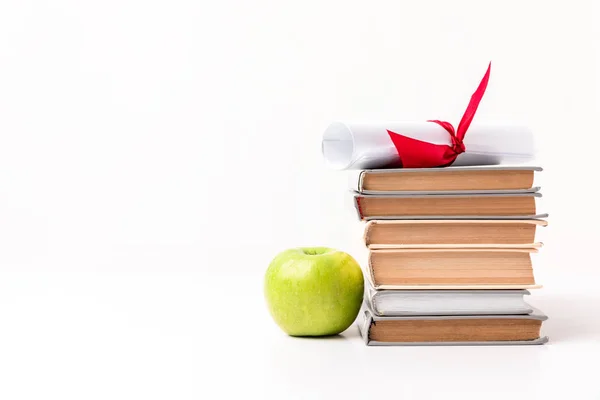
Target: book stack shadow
450	255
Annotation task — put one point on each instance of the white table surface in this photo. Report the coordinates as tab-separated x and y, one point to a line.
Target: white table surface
162	330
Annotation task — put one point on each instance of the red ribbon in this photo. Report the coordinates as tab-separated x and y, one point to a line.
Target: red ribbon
415	153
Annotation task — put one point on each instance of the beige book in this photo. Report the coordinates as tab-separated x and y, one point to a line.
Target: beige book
451	268
473	179
431	330
487	206
455	330
380	234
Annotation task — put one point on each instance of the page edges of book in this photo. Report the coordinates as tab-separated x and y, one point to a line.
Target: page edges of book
465	246
456	287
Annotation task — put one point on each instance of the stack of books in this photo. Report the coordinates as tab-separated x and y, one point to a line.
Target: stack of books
449	255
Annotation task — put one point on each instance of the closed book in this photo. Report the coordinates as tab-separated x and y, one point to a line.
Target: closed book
415	330
456	206
465	233
446	302
466	180
451	268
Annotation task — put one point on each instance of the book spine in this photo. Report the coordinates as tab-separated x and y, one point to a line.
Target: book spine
370	269
355	181
367	234
357	200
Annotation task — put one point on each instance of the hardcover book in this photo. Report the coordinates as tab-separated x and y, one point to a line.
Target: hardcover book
446	302
447	206
452	233
451	268
466	180
414	330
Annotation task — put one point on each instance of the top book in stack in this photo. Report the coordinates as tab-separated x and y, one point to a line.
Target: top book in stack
481	192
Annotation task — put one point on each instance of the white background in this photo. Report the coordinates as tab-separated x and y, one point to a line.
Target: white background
156	155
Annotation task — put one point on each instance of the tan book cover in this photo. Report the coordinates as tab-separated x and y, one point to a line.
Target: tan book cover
457	330
451	268
490	179
456	206
473	233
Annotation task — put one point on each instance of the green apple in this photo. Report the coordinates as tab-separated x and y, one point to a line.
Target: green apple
314	291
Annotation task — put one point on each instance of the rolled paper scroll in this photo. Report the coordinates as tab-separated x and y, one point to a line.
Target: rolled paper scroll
364	145
428	144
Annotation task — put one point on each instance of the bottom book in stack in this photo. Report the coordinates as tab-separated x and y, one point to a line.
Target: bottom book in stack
449	317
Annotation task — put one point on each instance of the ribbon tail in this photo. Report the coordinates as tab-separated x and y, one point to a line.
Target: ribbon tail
467	117
415	153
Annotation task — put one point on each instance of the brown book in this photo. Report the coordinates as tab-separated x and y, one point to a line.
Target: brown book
521	205
455	329
478	179
451	233
451	268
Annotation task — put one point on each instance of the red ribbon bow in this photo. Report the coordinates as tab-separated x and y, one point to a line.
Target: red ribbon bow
415	153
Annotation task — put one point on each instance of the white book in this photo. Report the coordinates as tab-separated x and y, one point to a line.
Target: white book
447	302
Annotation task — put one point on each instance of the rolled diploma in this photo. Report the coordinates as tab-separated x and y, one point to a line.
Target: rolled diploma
363	145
